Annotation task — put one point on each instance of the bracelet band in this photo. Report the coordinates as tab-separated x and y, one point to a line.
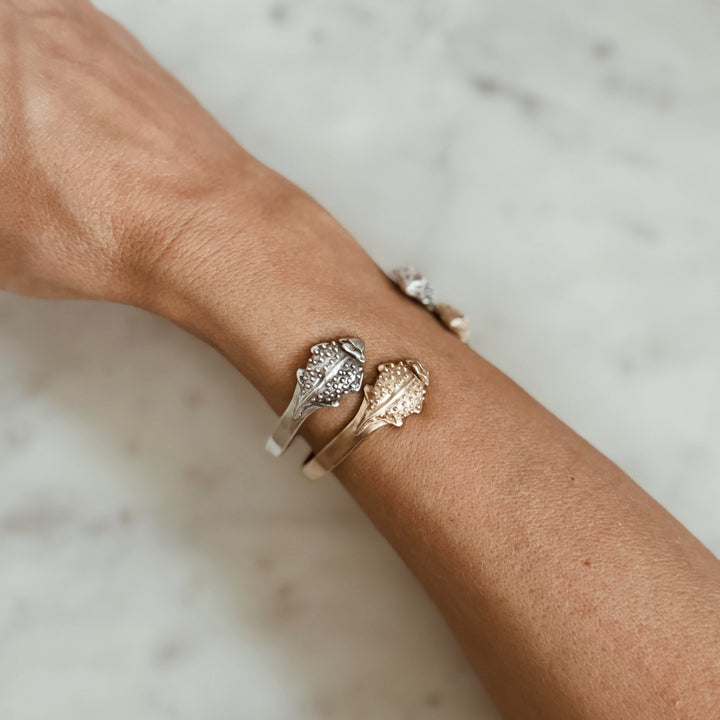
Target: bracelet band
416	286
398	392
334	369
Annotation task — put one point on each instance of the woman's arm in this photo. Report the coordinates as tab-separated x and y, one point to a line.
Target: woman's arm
574	594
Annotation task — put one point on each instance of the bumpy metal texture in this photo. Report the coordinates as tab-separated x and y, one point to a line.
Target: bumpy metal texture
334	369
398	392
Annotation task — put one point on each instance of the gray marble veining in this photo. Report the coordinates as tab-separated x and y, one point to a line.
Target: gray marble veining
555	164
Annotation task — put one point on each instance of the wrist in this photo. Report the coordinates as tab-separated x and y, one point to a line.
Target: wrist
205	244
245	269
262	286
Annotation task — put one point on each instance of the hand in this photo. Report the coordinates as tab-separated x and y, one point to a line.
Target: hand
105	159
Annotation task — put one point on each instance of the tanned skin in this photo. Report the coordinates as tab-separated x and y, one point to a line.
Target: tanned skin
573	593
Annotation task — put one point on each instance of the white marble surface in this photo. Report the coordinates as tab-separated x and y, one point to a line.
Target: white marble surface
555	165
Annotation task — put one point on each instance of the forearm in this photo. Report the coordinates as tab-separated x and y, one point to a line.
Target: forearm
573	592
